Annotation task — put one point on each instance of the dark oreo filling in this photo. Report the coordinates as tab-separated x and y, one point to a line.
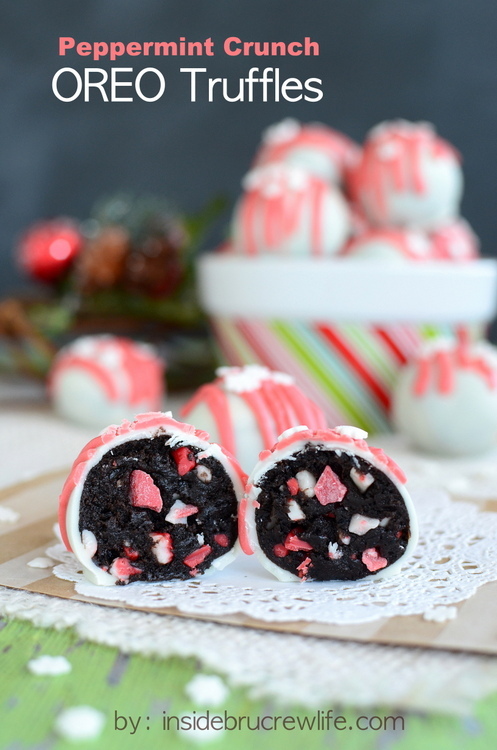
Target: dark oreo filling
326	523
106	509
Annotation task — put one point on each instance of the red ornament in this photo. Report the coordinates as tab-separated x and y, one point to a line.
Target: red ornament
48	248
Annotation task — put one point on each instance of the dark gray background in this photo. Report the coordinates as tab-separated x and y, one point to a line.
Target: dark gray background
418	59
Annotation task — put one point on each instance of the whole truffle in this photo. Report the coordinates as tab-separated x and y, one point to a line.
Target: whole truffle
288	211
98	380
317	148
445	400
408	176
246	408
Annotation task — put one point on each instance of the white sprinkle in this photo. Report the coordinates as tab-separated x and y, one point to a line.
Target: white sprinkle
440	614
198	735
40	562
334	551
7	515
362	481
292	431
306	482
354	432
204	473
89	541
200	538
79	723
360	525
295	512
49	665
207	690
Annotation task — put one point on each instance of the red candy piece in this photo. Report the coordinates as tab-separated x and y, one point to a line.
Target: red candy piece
303	568
198	556
188	510
293	486
280	550
121	568
221	539
184	460
143	492
131	553
294	544
373	560
329	488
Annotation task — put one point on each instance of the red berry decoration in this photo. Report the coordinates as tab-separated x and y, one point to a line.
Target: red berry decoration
48	248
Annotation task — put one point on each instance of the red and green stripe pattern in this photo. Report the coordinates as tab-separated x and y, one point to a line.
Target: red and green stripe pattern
348	369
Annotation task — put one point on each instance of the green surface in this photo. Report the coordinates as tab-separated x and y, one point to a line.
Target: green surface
142	687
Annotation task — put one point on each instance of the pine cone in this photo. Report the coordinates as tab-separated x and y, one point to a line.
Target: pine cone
102	263
154	266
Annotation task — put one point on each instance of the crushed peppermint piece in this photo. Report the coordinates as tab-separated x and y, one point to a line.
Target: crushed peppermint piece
79	723
207	690
295	512
122	569
184	459
204	473
179	512
200	539
306	482
221	539
40	562
131	554
144	493
440	613
384	521
373	560
198	556
334	551
293	543
293	486
8	515
280	550
49	665
361	481
162	547
344	538
303	568
329	488
360	524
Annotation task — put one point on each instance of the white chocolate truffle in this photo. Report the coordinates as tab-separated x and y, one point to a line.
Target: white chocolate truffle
288	211
408	176
101	380
455	241
390	245
446	400
320	150
246	408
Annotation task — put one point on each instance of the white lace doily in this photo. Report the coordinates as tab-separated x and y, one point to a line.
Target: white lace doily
457	553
